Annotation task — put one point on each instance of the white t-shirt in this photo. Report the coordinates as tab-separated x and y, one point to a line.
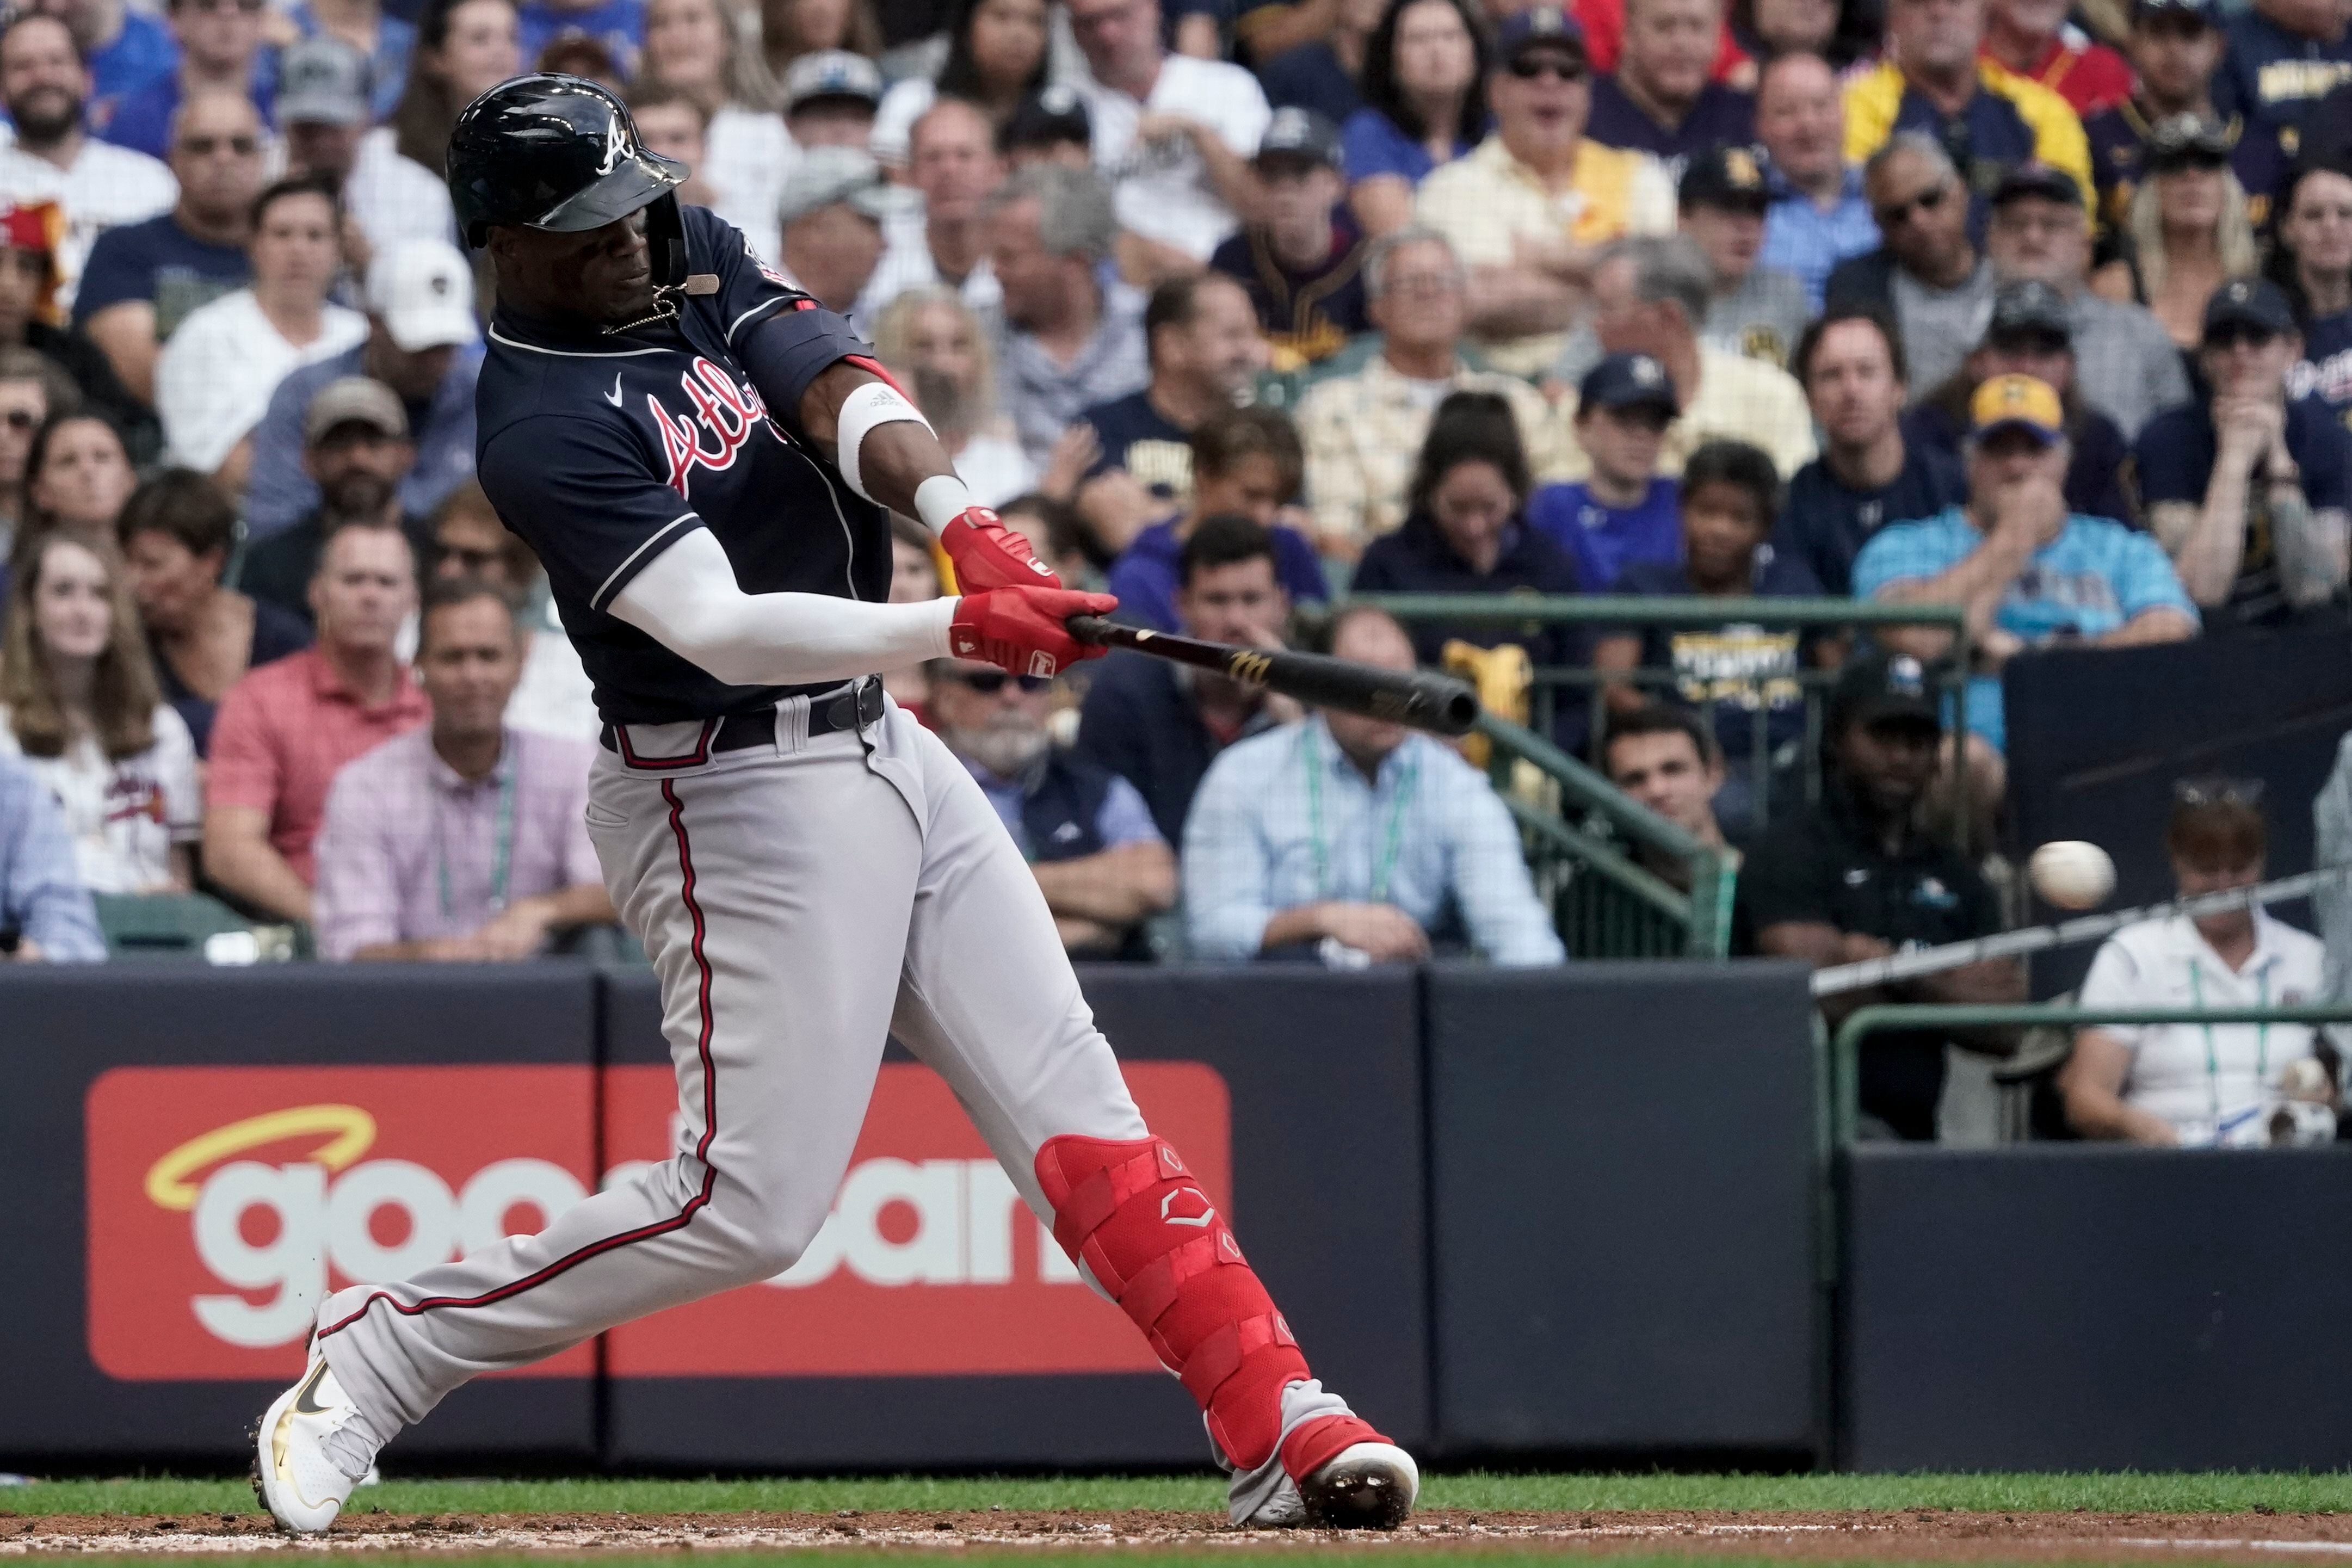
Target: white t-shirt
395	198
123	817
107	186
894	119
555	696
1162	190
2189	1074
907	264
214	378
745	157
994	469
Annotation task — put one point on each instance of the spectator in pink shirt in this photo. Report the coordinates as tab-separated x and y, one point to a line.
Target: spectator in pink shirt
465	839
284	730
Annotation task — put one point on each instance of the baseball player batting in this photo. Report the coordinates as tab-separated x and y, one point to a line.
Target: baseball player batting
705	461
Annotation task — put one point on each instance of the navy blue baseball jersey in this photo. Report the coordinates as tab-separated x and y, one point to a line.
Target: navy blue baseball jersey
601	449
2119	138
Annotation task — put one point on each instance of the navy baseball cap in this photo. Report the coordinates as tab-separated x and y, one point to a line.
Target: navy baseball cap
1539	26
1051	114
1628	381
1726	177
2028	305
2039	181
2249	303
1882	687
1298	136
2201	10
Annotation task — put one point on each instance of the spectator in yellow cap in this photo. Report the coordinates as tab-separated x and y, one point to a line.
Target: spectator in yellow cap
2029	572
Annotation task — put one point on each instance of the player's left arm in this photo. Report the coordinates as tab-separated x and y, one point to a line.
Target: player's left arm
810	365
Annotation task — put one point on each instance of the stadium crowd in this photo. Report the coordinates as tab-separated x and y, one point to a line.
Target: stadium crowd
1235	309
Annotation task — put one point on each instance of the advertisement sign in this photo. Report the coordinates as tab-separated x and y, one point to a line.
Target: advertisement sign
931	1263
224	1203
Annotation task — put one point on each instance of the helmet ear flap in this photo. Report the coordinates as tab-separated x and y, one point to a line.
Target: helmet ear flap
666	240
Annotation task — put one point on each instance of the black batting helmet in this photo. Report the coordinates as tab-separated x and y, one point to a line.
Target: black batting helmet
553	153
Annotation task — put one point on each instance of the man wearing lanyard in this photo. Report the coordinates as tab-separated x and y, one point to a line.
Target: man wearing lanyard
1347	839
464	840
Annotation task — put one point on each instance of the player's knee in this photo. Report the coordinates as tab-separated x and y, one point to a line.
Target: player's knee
775	1232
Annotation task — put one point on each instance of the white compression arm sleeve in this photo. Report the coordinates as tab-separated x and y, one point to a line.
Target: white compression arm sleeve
687	599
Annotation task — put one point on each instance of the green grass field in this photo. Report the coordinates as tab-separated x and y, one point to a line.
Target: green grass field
2116	1493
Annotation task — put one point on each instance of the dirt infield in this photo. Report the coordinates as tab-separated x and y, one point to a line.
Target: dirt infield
1910	1534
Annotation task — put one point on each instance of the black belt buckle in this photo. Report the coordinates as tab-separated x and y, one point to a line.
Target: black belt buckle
855	708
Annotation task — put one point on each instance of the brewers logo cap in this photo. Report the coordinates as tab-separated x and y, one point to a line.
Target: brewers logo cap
1882	687
1051	114
2019	401
1628	381
424	292
1539	27
2248	305
1298	136
1727	177
2029	306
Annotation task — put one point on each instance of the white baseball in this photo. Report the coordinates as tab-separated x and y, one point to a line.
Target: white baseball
2071	874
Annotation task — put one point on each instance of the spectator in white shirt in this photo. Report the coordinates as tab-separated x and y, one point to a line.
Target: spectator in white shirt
2214	1085
1174	135
936	347
79	703
214	379
693	46
944	239
46	86
322	106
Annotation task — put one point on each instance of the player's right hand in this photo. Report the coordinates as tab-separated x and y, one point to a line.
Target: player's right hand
987	555
1022	630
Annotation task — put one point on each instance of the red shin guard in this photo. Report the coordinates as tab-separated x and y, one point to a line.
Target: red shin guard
1132	1214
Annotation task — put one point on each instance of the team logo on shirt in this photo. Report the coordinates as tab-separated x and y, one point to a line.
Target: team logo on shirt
725	413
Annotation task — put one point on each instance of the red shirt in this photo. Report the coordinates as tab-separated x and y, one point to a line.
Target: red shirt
2090	77
1604	33
282	734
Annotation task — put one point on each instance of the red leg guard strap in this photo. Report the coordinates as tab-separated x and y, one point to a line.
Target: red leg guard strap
1134	1215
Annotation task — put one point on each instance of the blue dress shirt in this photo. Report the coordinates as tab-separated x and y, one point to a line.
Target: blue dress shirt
41	897
1801	238
1427	836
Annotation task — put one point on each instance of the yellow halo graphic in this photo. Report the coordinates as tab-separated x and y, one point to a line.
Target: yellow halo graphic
350	1130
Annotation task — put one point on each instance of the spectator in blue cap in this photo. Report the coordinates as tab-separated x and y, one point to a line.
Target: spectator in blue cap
1623	512
1303	265
2250	490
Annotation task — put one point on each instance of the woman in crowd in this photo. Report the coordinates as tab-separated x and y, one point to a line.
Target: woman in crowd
177	530
995	57
1465	531
464	48
2311	260
1425	104
76	476
77	702
934	344
693	46
791	28
2218	1084
215	379
32	391
2187	226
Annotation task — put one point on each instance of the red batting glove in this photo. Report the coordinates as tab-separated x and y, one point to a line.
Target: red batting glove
987	555
1022	630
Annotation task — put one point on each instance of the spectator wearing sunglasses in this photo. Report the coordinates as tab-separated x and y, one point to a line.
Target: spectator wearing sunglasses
1528	207
2250	492
1928	275
1086	832
2175	48
28	288
220	51
144	278
2188	225
1934	81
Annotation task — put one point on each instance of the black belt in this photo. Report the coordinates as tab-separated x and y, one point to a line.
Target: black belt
849	706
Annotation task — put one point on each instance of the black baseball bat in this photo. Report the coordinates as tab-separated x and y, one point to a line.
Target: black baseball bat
1425	701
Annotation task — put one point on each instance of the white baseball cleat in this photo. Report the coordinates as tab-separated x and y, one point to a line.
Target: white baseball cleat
301	1482
1367	1486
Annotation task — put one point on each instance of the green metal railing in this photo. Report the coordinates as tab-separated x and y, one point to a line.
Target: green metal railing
1605	901
1843	1085
1597	856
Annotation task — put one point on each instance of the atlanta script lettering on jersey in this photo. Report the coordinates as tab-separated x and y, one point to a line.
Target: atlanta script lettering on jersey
724	411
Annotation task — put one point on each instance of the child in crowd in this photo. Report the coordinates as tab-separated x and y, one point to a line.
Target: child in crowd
1623	512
